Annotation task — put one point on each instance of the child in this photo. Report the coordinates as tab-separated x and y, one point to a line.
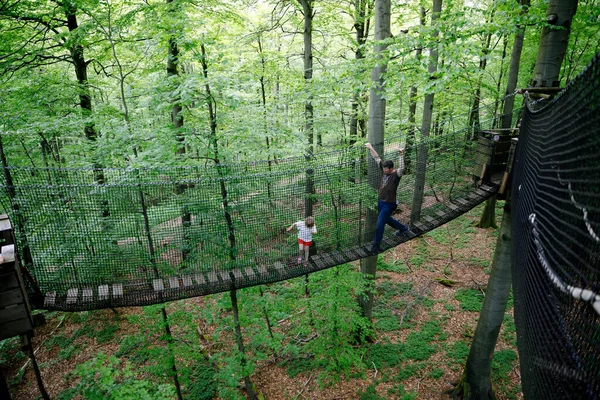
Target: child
306	229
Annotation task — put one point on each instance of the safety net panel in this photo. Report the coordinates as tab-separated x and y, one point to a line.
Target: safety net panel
556	253
106	237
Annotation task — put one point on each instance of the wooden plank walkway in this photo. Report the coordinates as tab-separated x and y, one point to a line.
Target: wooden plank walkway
185	285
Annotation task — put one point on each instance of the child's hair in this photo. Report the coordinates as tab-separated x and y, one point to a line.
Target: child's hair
387	164
309	222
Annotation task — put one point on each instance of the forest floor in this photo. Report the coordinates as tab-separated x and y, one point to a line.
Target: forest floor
431	323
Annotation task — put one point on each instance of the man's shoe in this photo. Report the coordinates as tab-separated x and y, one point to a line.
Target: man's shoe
375	248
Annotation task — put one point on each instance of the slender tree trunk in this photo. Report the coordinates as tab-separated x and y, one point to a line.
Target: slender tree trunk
412	107
474	119
177	121
362	12
211	107
377	105
422	150
513	71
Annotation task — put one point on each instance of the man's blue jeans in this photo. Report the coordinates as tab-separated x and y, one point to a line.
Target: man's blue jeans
385	217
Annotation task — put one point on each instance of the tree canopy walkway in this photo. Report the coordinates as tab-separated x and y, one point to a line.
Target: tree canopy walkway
151	235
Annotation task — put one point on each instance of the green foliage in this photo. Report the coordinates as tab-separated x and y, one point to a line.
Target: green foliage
398	266
67	352
469	299
370	393
435	373
503	362
104	378
202	384
301	365
400	392
385	354
457	351
418	345
408	370
509	330
107	333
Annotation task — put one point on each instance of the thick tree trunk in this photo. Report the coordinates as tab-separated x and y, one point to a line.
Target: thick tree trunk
377	105
422	150
553	43
307	10
476	384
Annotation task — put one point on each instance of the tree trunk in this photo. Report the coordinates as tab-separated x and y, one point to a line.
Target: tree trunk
362	10
172	71
476	383
513	72
488	216
377	104
307	10
422	151
553	43
412	108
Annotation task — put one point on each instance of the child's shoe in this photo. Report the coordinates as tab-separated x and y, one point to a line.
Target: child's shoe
299	260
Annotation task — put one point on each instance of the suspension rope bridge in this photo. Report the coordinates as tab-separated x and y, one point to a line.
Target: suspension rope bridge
147	236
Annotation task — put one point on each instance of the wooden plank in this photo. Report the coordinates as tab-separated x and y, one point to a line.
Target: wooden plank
173	282
249	273
9	281
158	285
453	206
462	201
49	299
4	223
223	276
15	328
211	278
87	295
187	280
8	253
481	192
199	278
13	296
262	271
419	225
428	218
13	313
117	290
237	274
103	292
72	295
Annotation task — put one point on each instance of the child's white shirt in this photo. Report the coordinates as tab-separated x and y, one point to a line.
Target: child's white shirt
304	232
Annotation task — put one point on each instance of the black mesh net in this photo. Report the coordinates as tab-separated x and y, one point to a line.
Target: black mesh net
120	237
556	273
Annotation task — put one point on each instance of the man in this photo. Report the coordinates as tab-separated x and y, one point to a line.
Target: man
387	196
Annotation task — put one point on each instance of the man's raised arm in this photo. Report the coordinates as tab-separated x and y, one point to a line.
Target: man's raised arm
400	169
373	152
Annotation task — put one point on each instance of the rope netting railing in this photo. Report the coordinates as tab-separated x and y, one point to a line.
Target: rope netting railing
145	236
556	274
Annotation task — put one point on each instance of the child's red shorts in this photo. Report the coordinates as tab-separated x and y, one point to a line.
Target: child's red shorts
307	244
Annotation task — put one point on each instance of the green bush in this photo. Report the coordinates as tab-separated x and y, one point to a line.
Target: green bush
103	379
469	299
385	354
202	384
